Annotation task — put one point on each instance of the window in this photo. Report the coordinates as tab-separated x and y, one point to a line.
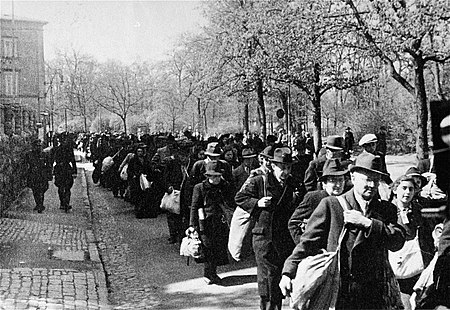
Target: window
9	47
11	83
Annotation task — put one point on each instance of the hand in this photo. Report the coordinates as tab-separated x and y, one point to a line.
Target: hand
357	218
264	202
286	286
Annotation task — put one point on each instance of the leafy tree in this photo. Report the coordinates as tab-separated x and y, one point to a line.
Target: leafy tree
408	36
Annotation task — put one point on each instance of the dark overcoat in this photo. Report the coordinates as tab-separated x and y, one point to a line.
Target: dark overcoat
65	165
303	211
214	200
363	256
272	242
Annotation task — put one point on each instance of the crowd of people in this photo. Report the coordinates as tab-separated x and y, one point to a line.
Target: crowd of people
290	193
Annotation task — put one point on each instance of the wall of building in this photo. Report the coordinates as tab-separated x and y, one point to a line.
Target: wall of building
19	111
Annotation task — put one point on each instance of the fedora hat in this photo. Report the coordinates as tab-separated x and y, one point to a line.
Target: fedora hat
268	152
332	167
282	155
214	167
213	149
248	153
367	162
368	138
335	143
414	172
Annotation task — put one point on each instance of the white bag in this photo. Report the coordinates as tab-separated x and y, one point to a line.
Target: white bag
107	163
239	239
145	184
407	262
124	173
171	202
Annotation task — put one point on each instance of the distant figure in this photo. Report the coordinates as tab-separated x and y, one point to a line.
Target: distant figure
349	140
65	169
382	144
38	173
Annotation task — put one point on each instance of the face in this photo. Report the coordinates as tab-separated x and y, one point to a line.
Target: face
370	147
365	184
418	182
405	192
266	163
140	152
214	179
334	154
334	185
228	156
201	154
281	171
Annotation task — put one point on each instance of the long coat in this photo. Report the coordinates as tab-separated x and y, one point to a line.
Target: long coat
363	256
38	170
272	242
65	165
213	199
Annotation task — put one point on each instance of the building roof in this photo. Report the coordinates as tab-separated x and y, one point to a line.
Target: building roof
8	17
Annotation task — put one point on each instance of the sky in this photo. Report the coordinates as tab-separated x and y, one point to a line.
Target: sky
121	29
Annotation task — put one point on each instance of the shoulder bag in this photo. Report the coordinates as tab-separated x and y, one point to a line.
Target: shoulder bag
316	284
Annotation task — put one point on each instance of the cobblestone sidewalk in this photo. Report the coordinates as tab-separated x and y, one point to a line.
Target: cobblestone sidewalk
50	260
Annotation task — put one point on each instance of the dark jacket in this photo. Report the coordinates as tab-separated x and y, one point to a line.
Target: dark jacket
302	213
272	242
38	169
363	256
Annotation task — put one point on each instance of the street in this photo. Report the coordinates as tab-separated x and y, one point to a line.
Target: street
99	256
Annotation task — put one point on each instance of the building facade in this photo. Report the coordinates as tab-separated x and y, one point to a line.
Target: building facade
22	75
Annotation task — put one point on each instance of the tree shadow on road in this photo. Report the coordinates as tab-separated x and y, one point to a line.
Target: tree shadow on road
237	280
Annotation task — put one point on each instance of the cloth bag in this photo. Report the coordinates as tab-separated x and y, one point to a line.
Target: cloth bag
124	173
240	233
107	163
241	225
407	262
171	202
316	284
144	183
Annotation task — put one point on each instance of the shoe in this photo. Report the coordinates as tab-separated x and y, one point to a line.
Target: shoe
214	279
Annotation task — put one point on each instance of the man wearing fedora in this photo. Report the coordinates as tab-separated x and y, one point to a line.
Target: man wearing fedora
369	143
334	149
198	170
241	173
372	230
333	183
270	197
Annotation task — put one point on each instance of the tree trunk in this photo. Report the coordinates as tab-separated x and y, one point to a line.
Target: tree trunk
124	121
262	108
317	116
421	97
199	115
246	113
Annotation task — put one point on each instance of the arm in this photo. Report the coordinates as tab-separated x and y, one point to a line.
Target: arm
299	218
248	196
313	239
197	203
310	180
